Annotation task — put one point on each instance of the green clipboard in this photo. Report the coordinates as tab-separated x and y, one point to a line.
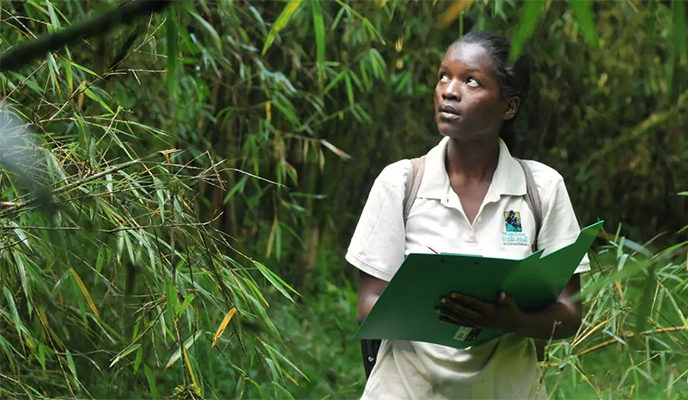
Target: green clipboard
406	308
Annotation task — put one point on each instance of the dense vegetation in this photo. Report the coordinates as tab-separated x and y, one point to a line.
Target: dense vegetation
178	193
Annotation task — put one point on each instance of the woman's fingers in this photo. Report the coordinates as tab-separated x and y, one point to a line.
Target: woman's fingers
465	305
455	322
457	311
471	303
450	317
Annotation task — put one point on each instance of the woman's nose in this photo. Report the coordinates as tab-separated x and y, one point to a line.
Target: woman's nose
451	90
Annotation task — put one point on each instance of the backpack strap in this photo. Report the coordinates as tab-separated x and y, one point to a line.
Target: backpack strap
533	200
413	184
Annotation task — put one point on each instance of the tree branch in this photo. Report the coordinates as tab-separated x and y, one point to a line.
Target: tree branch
24	53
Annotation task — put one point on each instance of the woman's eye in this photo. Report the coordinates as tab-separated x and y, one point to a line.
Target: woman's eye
443	77
472	82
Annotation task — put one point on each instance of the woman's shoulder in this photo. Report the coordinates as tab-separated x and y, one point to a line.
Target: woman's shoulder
543	173
547	179
395	174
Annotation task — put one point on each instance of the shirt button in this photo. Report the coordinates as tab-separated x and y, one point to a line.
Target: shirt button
479	219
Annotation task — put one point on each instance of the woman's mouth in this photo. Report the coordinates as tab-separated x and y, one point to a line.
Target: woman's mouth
447	112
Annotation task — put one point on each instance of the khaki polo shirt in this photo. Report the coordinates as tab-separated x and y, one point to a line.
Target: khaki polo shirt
504	227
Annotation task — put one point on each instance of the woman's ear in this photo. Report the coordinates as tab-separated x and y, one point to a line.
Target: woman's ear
511	110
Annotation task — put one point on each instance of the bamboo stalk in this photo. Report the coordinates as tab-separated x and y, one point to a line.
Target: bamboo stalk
590	332
627	336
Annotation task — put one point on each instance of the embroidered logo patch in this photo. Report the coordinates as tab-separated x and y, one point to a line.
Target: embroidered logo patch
513	221
513	233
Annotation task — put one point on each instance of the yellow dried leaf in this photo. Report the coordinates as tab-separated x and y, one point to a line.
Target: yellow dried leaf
85	292
223	325
166	153
452	13
193	376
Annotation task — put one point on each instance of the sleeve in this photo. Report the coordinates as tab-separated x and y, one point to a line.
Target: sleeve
559	225
377	246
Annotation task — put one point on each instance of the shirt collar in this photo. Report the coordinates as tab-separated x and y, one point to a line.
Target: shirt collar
508	178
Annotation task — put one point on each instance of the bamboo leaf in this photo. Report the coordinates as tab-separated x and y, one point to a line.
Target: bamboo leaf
530	15
583	13
91	95
319	28
71	365
22	274
188	343
223	325
213	33
349	88
238	187
340	153
191	371
279	355
281	22
137	359
82	287
81	67
275	280
172	300
186	303
271	237
54	21
124	353
334	81
13	310
151	382
70	79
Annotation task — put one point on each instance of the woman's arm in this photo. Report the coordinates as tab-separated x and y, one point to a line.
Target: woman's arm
559	320
368	292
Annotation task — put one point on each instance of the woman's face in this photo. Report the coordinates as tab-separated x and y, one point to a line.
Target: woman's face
468	104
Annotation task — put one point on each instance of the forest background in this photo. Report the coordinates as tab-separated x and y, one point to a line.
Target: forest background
178	192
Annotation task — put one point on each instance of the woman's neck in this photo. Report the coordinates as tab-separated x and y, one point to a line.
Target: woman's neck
472	161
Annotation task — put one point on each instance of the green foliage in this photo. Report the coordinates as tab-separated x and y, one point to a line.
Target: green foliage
121	255
112	285
634	333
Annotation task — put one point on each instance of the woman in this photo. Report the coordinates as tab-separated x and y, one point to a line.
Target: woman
471	200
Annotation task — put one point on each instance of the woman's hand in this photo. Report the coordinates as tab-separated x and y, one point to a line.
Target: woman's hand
559	320
464	310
